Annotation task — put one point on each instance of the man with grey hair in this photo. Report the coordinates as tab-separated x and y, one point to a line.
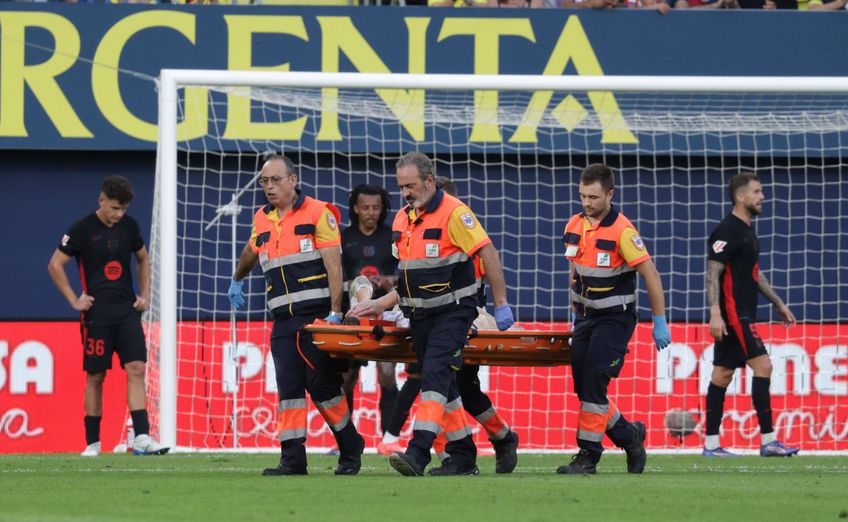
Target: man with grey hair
435	237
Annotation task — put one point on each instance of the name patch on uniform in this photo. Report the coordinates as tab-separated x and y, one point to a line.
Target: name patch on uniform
468	220
603	259
331	220
718	246
571	250
638	243
431	250
65	239
306	244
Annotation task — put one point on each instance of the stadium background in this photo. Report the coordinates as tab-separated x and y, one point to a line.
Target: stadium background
51	165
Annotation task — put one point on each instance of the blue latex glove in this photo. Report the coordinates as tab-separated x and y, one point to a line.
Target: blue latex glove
236	294
503	316
333	318
662	337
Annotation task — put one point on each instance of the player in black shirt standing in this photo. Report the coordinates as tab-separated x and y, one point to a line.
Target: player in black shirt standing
103	244
367	252
734	281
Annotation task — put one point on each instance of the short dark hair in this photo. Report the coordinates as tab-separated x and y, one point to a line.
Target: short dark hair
420	160
740	181
285	159
117	188
368	190
600	173
447	185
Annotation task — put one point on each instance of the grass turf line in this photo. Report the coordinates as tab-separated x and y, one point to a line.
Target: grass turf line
229	487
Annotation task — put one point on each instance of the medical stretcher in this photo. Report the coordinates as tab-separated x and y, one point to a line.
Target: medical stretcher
377	340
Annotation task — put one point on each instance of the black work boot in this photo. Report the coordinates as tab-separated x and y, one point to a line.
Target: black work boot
506	453
452	467
350	464
406	464
581	464
636	455
284	469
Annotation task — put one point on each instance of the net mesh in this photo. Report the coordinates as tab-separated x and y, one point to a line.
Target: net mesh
516	158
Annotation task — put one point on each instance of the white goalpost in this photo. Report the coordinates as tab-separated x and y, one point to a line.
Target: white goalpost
515	146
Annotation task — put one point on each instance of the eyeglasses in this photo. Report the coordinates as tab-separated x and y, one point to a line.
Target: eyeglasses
271	180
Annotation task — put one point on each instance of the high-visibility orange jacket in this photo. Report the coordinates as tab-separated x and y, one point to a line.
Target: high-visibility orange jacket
604	257
295	276
435	273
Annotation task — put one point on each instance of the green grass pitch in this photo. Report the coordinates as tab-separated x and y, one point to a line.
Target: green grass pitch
210	487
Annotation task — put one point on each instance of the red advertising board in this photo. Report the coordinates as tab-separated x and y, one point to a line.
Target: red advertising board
42	383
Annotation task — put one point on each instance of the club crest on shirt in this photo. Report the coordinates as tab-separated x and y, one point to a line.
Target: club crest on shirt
65	239
431	250
369	250
331	220
638	243
306	244
468	220
718	246
603	259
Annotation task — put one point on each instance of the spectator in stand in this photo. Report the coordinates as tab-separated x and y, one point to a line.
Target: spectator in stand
831	5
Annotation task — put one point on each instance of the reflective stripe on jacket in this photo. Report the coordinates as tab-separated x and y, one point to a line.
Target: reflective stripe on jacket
295	276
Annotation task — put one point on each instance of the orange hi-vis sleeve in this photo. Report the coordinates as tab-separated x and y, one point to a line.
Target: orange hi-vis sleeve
493	424
291	418
430	412
335	411
595	419
456	423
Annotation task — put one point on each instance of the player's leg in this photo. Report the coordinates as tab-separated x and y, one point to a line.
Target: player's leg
97	358
324	385
388	392
131	347
728	355
761	396
290	373
400	413
93	412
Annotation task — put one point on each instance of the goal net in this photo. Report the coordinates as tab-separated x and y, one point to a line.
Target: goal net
515	147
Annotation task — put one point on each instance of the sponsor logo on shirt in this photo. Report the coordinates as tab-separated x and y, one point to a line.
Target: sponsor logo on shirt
718	246
113	270
431	250
306	244
603	259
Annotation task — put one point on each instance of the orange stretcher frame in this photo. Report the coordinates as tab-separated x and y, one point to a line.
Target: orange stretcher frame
377	341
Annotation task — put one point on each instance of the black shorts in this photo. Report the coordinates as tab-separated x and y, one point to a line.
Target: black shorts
741	343
99	342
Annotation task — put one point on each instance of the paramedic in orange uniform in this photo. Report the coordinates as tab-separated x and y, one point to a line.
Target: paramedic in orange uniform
296	241
605	253
435	237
